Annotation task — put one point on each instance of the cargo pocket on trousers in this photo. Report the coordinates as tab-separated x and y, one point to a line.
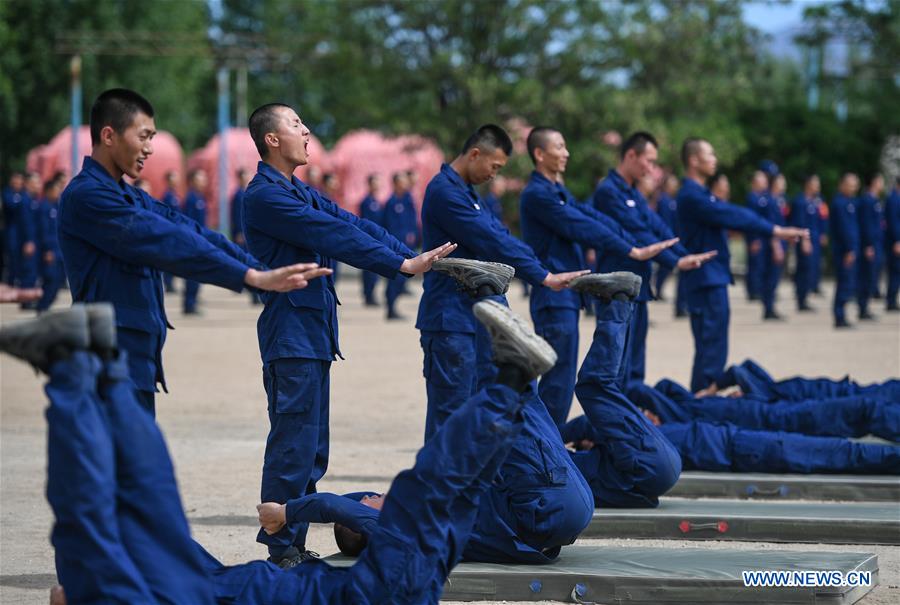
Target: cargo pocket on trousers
297	389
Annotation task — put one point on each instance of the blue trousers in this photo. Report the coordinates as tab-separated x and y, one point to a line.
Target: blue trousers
755	381
681	305
771	275
369	281
538	500
191	289
120	533
450	374
455	366
297	446
851	416
724	447
754	277
710	314
867	283
168	282
893	279
636	360
426	520
659	279
392	292
631	463
816	269
559	327
52	279
845	287
803	276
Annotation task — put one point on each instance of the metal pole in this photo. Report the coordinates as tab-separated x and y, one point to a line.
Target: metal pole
75	68
241	93
224	210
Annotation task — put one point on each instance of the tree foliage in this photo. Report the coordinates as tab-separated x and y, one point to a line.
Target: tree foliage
441	67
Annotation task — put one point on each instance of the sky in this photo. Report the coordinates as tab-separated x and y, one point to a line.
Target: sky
775	17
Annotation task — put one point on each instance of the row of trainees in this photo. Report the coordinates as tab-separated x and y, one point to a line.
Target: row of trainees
29	246
864	237
478	491
111	229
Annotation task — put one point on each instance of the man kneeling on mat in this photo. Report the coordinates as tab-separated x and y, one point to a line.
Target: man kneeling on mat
121	535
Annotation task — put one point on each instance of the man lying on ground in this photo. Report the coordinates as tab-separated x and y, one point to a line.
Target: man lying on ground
851	416
121	535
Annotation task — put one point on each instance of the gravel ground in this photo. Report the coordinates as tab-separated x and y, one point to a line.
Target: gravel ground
215	416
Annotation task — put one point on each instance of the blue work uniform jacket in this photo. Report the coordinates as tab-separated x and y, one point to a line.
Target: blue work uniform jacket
805	215
892	218
871	219
400	220
844	226
494	205
370	209
287	222
556	227
47	226
115	240
760	203
346	510
12	206
195	206
453	212
703	220
624	203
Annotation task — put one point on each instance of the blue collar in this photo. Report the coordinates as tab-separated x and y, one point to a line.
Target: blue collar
453	177
619	181
294	184
96	170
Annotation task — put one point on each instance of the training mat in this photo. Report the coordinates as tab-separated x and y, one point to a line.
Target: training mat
608	574
763	486
755	521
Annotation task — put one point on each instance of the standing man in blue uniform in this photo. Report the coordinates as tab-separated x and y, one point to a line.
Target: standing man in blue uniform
195	209
703	220
845	245
452	211
758	202
116	239
52	274
618	197
286	221
370	209
892	247
558	228
13	200
237	218
401	220
667	208
871	242
773	253
170	199
805	215
29	215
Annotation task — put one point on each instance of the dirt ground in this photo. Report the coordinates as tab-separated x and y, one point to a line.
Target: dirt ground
215	416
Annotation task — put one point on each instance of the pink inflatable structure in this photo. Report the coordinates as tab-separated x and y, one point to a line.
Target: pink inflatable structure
363	152
56	156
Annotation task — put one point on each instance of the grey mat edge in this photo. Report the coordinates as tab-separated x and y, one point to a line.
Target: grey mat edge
552	582
763	486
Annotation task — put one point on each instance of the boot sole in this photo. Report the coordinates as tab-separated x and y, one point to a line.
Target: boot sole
514	339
